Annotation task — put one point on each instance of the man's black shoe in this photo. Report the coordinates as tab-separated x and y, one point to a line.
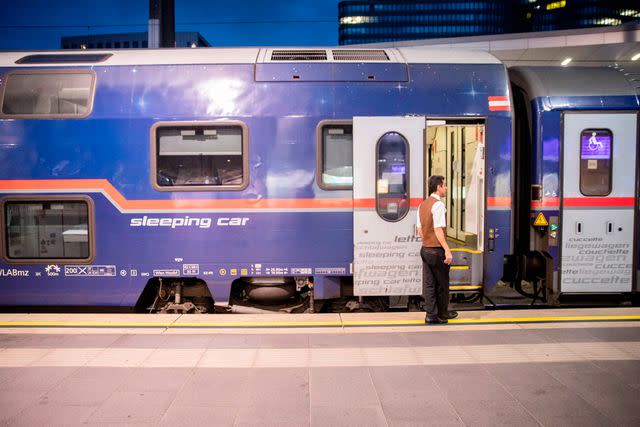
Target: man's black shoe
435	321
451	315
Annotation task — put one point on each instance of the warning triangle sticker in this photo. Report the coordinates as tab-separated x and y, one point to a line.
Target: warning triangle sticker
540	221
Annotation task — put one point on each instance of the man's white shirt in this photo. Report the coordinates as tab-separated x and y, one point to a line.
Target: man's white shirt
438	211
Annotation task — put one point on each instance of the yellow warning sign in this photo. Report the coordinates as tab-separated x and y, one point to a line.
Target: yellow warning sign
540	221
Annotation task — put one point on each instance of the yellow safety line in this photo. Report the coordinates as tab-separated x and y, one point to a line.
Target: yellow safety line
256	324
464	287
460	267
162	324
545	319
492	320
471	251
477	320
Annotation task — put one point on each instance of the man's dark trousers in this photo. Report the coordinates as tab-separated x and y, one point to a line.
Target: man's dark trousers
435	280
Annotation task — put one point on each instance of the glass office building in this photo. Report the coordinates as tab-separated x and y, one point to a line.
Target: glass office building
384	21
128	41
373	21
548	15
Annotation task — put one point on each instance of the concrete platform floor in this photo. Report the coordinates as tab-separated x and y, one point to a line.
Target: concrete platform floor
356	369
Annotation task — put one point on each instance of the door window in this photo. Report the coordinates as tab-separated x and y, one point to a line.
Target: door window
596	146
392	188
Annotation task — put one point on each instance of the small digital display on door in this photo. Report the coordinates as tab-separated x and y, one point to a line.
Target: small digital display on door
595	144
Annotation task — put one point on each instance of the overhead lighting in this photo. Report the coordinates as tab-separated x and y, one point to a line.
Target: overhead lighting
635	57
565	62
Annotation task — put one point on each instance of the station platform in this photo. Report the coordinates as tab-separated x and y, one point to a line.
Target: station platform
518	367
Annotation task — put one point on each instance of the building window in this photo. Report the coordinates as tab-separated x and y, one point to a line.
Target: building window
52	94
125	45
335	155
199	156
392	187
135	44
48	229
145	44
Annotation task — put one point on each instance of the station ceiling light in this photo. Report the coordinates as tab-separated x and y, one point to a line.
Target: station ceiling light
635	57
565	62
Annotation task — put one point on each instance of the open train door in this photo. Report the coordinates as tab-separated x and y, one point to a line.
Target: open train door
598	201
387	189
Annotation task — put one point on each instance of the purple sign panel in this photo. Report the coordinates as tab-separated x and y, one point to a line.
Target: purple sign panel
595	144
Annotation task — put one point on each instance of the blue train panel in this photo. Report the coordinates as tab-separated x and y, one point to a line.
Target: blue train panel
281	223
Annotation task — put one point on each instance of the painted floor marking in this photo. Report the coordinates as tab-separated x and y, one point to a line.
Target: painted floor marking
312	324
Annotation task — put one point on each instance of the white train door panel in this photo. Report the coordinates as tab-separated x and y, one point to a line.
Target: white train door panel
387	190
598	200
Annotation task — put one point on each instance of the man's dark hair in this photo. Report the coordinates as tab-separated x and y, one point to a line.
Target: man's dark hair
434	181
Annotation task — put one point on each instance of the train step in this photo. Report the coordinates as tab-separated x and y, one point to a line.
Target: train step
466	270
466	288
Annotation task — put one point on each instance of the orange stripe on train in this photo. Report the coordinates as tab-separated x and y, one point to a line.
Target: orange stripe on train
93	185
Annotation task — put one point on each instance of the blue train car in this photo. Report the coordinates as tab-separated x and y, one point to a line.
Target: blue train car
577	217
167	178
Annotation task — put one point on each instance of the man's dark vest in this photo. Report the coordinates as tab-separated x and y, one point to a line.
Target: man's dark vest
429	239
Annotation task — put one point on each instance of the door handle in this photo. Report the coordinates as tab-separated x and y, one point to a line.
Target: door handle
609	228
578	227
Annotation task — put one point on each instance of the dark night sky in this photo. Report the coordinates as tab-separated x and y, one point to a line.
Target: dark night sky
39	24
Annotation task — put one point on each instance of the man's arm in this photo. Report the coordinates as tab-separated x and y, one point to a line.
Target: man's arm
448	256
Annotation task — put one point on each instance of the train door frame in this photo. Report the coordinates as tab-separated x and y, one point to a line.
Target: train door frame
561	214
454	177
461	122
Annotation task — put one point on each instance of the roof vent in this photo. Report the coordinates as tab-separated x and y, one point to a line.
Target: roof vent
360	55
299	55
62	58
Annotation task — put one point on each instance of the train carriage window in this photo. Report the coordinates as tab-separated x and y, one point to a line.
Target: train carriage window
48	94
335	155
392	188
200	156
596	149
47	230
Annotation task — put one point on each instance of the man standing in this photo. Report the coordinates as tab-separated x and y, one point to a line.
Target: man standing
435	253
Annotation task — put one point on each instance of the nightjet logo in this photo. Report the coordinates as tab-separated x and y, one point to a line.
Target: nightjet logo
186	221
